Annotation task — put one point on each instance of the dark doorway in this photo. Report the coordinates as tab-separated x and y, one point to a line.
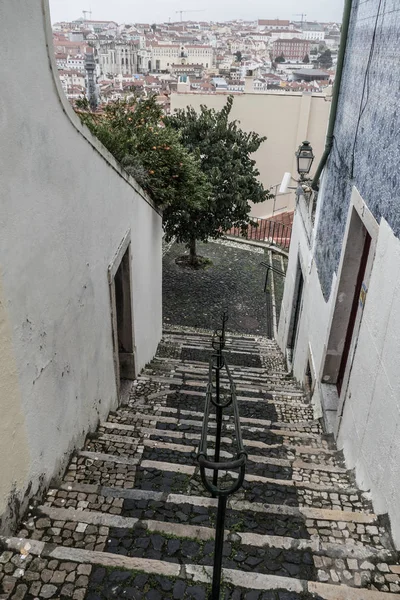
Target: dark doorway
354	310
121	298
349	304
297	301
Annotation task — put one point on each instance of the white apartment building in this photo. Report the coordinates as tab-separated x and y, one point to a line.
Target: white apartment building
76	62
313	35
72	79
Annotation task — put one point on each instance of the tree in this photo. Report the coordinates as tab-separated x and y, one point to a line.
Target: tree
239	56
280	59
224	151
306	59
134	132
325	60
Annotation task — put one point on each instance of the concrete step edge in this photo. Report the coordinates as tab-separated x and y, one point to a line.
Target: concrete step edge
181	530
253	581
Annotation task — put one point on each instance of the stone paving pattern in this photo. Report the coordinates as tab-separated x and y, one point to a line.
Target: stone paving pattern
235	279
132	519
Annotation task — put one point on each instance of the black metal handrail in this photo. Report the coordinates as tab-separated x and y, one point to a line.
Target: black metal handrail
266	230
274	270
217	363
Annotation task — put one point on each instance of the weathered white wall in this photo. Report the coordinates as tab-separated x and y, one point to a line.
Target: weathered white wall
65	208
369	428
285	119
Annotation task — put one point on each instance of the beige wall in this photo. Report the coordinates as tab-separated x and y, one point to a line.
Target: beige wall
285	119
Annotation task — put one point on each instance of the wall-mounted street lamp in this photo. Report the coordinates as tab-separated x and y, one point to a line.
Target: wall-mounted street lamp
305	158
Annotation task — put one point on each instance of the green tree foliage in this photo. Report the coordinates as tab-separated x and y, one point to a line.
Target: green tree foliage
325	60
306	59
224	151
197	167
280	59
134	132
239	56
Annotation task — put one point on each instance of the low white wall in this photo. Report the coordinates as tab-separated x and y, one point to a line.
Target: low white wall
369	431
65	208
285	119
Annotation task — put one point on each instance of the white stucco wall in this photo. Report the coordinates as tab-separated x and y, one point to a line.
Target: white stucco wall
285	119
65	208
369	428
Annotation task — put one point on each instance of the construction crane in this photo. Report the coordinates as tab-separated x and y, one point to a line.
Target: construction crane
85	13
303	16
182	12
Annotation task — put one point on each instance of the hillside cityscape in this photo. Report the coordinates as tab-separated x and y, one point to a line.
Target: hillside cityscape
105	60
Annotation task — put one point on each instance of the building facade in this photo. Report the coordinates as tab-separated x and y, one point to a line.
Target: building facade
340	318
80	270
164	56
291	49
267	24
118	57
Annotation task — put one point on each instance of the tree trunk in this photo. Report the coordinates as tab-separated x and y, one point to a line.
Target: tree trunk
192	251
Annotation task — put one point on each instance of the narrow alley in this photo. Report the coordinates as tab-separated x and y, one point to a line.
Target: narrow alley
131	518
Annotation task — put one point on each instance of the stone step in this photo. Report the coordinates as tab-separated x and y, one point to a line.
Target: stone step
127	446
232	578
147	507
323	455
279	410
252	436
101	469
323	450
246	515
199	366
179	542
256	387
195	420
276	390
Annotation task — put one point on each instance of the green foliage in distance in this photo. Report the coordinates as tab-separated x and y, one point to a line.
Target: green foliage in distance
224	151
134	132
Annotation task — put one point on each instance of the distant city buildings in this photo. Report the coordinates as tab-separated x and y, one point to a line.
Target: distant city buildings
143	58
291	49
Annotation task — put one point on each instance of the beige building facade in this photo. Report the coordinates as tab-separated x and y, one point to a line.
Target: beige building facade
285	119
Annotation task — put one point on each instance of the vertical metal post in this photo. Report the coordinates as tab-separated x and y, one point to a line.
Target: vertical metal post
218	549
218	410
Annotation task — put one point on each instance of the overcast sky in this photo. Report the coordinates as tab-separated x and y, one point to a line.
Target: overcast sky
150	11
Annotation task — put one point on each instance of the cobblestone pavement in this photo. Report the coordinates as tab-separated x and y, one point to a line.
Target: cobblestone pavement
234	279
131	518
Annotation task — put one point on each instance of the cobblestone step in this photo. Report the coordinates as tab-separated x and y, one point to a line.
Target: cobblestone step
253	373
100	469
170	541
132	518
274	387
126	569
154	414
268	437
289	452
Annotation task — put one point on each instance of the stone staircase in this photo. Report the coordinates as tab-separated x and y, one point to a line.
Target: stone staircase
131	518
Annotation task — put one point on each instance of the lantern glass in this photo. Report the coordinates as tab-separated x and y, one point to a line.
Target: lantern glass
305	158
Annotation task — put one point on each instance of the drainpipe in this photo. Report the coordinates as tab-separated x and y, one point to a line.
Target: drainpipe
335	95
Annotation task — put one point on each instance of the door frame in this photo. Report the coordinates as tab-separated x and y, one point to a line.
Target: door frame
369	222
297	308
113	267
